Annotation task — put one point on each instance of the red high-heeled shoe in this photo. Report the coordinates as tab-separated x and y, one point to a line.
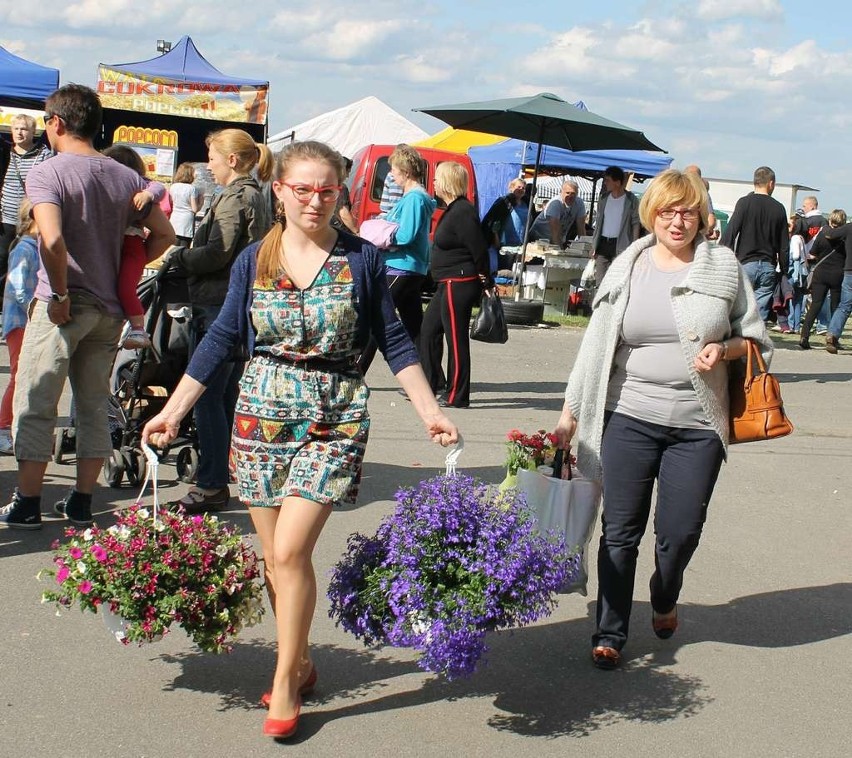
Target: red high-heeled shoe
305	690
280	729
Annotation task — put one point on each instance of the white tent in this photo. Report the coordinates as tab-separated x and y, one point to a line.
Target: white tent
348	129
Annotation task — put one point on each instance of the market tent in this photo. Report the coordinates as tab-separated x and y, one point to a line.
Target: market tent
24	82
179	93
496	164
458	140
348	129
183	63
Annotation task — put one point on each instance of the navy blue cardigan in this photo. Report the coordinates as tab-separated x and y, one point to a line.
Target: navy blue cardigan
376	313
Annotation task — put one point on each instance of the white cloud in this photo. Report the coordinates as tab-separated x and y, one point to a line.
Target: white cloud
719	10
718	81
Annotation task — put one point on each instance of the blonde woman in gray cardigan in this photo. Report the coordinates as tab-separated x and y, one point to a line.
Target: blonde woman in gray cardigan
648	395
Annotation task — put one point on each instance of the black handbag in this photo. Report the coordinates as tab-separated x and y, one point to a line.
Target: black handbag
490	323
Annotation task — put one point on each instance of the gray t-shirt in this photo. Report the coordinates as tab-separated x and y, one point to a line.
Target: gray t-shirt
650	379
567	215
93	194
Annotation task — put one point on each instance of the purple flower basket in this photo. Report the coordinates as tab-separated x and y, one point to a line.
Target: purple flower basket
456	560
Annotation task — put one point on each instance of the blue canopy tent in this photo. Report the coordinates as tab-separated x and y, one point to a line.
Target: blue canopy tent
24	83
494	165
22	80
180	92
183	63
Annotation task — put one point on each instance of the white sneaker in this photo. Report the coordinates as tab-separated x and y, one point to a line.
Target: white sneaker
6	445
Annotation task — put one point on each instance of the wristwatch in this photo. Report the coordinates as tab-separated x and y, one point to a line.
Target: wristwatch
57	298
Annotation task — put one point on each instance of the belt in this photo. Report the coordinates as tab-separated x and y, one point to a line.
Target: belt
610	239
315	363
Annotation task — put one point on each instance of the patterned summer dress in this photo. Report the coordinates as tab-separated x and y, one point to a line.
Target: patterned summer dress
302	431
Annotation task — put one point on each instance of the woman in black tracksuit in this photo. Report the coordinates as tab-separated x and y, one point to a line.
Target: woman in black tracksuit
460	268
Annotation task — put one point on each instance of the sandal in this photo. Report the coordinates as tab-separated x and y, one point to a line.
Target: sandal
665	625
606	658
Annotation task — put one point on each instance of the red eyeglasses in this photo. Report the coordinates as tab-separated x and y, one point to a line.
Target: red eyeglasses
304	193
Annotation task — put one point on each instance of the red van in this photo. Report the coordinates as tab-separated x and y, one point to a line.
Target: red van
370	167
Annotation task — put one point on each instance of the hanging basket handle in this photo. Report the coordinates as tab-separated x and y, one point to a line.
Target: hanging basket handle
150	476
453	456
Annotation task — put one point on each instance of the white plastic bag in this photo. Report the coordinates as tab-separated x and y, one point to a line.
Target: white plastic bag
587	278
568	506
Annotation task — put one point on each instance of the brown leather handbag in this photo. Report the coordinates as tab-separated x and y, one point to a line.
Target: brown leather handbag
756	408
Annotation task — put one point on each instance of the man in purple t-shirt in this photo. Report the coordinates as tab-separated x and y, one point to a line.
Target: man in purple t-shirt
81	205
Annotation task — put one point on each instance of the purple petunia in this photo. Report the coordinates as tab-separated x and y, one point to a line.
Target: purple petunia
454	561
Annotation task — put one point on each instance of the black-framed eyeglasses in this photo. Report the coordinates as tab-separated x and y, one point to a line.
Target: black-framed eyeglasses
48	116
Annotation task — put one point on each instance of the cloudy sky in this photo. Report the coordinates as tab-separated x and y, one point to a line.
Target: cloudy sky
727	84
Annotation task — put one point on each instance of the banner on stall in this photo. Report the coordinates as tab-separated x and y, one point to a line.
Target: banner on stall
157	148
7	115
245	104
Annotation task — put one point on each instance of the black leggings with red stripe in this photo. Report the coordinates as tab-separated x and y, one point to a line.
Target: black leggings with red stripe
448	314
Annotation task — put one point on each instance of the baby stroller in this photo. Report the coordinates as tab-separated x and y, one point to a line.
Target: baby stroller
143	380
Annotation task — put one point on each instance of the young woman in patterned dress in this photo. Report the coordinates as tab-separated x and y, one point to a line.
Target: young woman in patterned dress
305	302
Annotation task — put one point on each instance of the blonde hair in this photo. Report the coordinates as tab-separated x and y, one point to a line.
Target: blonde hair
270	248
408	160
26	222
837	217
27	119
185	174
451	179
670	188
247	152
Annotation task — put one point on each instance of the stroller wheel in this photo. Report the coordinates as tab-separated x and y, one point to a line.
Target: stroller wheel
114	469
187	464
135	466
57	445
64	441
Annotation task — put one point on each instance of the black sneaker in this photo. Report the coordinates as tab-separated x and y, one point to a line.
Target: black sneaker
79	514
17	515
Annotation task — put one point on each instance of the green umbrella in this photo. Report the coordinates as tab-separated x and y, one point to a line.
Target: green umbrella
543	118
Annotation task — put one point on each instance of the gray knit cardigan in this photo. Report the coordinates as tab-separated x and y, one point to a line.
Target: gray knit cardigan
714	302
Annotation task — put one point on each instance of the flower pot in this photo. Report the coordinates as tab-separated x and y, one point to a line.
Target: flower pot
115	624
511	480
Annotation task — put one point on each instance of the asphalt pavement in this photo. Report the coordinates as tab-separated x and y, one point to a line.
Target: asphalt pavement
760	666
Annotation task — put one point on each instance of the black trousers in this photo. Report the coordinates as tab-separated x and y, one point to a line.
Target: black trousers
822	285
405	293
448	315
685	464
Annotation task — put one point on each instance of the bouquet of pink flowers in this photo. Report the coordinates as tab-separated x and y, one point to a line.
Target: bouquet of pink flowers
190	570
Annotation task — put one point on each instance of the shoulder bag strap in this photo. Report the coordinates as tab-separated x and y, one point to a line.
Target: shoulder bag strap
17	163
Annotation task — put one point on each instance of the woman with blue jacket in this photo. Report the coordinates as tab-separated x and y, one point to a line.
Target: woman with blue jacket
303	303
407	261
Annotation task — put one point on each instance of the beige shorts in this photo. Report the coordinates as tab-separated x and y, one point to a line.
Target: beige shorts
82	351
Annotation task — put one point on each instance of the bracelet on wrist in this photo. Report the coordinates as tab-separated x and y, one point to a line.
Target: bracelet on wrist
724	350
